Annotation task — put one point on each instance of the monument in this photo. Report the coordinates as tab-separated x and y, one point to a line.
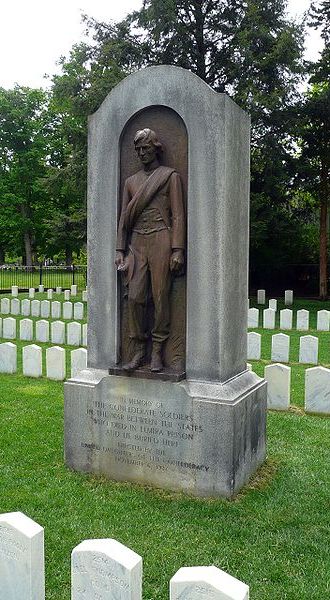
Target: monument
166	399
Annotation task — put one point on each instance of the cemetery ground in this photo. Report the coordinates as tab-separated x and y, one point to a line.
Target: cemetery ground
274	536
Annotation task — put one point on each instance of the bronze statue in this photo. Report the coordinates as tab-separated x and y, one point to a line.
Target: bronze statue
150	246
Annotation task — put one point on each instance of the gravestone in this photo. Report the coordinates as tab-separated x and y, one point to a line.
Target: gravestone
26	307
253	317
8	358
261	296
308	349
57	332
272	304
42	331
9	328
317	390
14	290
74	290
288	297
104	569
73	334
35	308
199	428
0	326
254	346
84	334
22	571
32	361
303	320
55	363
66	294
280	347
45	308
78	311
269	315
286	318
84	296
278	379
31	293
26	330
323	320
78	361
5	306
50	294
41	289
58	290
67	310
15	306
56	309
206	582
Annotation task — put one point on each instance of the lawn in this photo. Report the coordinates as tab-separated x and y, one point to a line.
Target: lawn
274	536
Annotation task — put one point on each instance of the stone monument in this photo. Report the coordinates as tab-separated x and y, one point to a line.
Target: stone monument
169	404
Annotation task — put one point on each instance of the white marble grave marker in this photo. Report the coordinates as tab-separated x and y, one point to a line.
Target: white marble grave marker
45	308
269	315
32	361
104	569
272	303
84	334
22	570
78	361
280	347
286	318
56	309
194	583
67	310
15	306
41	289
74	290
31	293
0	327
55	363
35	308
5	306
58	290
8	358
26	330
50	293
73	335
253	317
14	291
261	296
57	329
9	328
254	346
323	320
302	320
308	349
78	311
288	297
317	390
84	296
26	307
42	331
66	294
278	378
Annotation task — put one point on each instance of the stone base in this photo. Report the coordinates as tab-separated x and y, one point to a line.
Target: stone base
205	439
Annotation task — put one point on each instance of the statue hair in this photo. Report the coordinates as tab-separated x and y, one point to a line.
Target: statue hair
148	136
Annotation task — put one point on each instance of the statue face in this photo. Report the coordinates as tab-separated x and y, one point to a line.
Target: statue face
146	152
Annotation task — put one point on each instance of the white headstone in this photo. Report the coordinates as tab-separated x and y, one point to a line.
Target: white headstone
0	327
261	296
5	306
104	570
32	361
280	347
8	358
84	296
56	309
269	318
317	390
9	328
58	290
308	349
26	330
286	318
288	297
45	308
278	379
272	303
74	290
42	331
196	583
66	294
31	293
73	334
303	320
26	307
41	289
253	317
57	329
14	290
15	306
50	294
22	570
35	308
67	310
55	363
254	346
323	320
78	361
84	334
78	311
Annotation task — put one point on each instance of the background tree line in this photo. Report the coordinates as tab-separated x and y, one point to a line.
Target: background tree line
249	49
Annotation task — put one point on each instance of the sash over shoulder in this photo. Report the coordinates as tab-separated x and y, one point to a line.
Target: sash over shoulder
145	194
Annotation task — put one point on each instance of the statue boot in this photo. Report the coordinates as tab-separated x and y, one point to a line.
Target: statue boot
137	360
156	363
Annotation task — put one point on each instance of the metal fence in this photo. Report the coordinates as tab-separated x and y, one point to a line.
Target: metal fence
49	277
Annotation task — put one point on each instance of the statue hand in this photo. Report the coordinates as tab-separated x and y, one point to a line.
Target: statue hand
176	260
120	261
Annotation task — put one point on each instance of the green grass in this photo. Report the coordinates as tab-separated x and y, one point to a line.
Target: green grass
274	535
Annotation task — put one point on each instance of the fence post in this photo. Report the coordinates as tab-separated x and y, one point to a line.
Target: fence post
40	274
73	272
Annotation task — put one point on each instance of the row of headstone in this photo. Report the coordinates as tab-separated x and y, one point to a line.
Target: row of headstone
42	308
288	297
32	361
41	289
100	568
54	332
308	348
286	319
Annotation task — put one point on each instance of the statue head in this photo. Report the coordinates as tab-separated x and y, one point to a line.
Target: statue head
147	145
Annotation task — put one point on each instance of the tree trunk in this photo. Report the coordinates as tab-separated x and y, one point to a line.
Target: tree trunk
28	249
2	255
324	238
68	257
